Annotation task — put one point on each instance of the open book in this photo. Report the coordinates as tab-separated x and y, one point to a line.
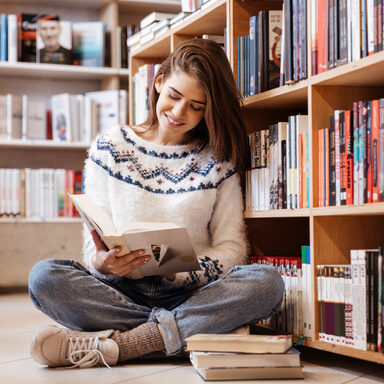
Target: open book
168	245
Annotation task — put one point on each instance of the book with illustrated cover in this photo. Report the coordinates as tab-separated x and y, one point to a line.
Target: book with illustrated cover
239	343
27	26
243	360
54	41
168	245
89	43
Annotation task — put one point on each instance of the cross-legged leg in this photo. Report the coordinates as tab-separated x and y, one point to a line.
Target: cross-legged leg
244	295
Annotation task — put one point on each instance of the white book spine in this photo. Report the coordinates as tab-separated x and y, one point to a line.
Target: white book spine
12	38
358	300
27	192
356	25
370	27
24	124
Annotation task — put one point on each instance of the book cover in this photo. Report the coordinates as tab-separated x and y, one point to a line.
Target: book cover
89	43
27	24
61	117
54	41
168	245
239	343
35	119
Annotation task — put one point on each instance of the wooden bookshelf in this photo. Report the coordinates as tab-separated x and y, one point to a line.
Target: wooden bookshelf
59	237
330	231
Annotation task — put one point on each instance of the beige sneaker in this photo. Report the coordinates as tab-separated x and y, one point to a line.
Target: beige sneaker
61	347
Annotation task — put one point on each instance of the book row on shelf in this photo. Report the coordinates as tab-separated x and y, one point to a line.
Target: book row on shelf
158	23
274	53
294	316
344	31
239	356
44	38
63	118
38	193
351	156
350	301
278	177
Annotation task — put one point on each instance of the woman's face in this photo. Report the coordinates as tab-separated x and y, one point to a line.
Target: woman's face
180	107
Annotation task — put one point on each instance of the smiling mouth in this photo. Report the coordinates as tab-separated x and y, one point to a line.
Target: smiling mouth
172	121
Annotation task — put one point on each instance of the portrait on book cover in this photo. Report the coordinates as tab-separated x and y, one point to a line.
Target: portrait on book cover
54	41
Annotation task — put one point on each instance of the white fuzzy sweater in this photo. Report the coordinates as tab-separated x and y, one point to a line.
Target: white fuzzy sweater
136	180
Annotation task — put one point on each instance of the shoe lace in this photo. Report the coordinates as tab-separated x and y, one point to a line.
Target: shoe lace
84	353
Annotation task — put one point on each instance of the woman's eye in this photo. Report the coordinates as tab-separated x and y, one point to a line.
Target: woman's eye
197	109
173	97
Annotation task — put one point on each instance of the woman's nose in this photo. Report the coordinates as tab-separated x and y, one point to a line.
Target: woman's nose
178	109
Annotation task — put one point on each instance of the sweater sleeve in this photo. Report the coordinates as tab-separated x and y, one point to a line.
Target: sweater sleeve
96	186
228	239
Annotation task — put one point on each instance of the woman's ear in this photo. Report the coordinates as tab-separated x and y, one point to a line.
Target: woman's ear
159	83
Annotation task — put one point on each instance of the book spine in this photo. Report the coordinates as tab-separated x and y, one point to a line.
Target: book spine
368	160
343	160
332	164
326	168
252	54
356	154
12	38
320	140
337	158
349	155
3	37
381	150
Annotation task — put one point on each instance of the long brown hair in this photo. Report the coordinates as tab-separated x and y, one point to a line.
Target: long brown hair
222	126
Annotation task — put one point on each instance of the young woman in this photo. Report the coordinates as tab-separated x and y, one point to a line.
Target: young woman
184	167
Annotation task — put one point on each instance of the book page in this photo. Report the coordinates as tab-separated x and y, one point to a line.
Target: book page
142	226
94	213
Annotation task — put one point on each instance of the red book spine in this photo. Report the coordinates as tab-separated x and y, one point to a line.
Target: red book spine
69	188
326	164
375	150
349	154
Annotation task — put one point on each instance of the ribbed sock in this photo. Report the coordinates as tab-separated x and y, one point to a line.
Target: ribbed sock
139	341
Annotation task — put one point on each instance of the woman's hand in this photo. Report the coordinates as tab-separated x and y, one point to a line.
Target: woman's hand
170	276
106	261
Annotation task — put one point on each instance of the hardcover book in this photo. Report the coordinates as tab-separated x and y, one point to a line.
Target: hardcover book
239	343
168	245
27	23
251	373
89	43
230	359
54	41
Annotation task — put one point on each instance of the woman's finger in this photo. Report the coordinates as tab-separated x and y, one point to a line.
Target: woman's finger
98	241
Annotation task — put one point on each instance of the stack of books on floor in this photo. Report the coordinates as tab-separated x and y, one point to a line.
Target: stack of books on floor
244	357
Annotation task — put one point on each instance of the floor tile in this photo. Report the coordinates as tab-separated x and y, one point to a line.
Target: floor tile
19	320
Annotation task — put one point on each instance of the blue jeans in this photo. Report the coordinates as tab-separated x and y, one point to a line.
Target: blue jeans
80	300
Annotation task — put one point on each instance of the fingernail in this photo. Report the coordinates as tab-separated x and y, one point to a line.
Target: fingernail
142	252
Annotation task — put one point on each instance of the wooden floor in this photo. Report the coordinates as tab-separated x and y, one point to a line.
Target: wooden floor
19	320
